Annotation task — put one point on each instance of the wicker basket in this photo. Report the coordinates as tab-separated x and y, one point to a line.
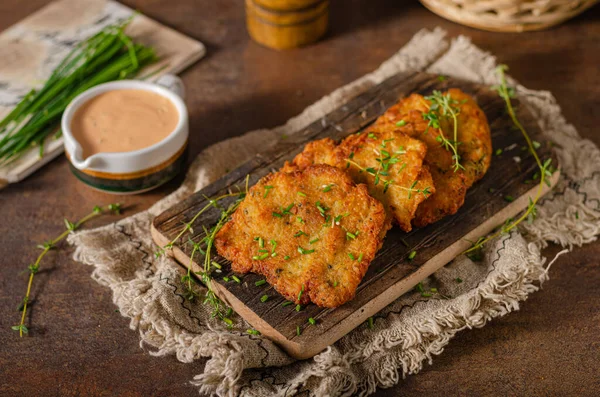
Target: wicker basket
508	15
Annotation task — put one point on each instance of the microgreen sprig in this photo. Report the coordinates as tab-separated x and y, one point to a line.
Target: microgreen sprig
188	226
546	169
204	246
208	240
444	106
386	160
390	183
188	279
51	244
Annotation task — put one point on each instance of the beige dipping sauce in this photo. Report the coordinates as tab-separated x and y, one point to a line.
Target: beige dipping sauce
123	120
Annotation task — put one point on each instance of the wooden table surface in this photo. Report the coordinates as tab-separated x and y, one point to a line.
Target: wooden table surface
79	345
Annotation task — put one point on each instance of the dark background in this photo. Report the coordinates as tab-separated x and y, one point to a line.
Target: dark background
79	345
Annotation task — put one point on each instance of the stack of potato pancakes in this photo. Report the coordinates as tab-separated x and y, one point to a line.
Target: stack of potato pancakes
313	228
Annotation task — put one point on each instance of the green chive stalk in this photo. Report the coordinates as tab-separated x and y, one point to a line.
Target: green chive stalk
106	56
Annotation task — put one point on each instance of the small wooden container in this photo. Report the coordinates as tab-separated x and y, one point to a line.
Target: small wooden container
283	24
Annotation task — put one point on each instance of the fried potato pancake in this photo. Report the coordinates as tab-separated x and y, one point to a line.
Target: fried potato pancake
322	151
475	150
450	186
390	163
474	135
312	233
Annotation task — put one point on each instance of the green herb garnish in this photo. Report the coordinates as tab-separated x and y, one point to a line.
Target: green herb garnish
267	190
321	208
207	241
350	236
444	106
305	251
260	282
34	268
274	246
385	162
545	167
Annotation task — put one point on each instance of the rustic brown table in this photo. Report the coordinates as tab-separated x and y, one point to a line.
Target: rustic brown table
79	344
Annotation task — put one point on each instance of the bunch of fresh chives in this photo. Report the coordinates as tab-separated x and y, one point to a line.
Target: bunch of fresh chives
108	55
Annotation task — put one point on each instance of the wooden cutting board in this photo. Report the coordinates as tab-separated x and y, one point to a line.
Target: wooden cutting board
31	49
391	274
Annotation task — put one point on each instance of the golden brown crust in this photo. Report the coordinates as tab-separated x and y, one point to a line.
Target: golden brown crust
475	150
315	152
328	207
389	162
450	188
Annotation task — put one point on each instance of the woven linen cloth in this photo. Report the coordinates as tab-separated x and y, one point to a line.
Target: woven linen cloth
407	333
